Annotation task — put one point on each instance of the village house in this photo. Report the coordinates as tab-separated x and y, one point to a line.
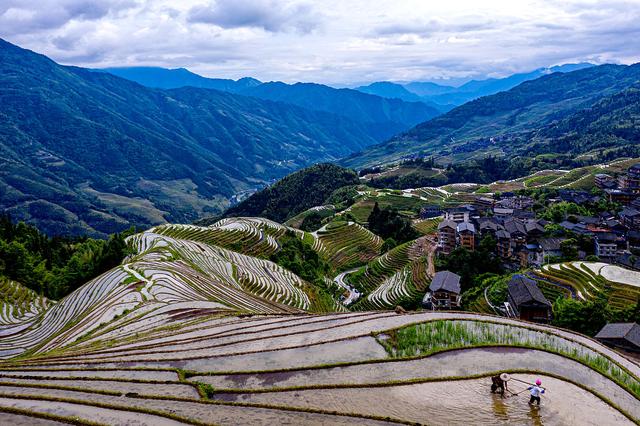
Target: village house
466	235
444	291
430	211
463	213
621	335
527	301
503	247
607	245
605	181
631	180
630	218
447	236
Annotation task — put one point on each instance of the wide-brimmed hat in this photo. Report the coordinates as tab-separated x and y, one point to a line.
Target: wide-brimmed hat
505	376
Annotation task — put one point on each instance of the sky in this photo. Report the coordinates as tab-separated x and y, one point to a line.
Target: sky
339	42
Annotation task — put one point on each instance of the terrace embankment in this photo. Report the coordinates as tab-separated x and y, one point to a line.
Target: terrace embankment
354	368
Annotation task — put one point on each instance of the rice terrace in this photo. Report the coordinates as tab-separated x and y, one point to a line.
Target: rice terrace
187	331
305	212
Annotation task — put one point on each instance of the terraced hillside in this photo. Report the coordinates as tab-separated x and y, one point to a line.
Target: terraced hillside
401	274
368	368
587	280
175	269
18	303
346	244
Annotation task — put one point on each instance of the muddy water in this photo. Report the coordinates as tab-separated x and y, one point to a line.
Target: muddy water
457	402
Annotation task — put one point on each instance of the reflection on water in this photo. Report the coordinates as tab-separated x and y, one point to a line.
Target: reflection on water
460	402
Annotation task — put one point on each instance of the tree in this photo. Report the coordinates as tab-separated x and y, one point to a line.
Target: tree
388	223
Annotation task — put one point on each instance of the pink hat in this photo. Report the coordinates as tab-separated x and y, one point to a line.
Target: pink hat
538	382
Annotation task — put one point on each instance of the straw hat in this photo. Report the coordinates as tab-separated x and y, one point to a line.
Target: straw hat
505	376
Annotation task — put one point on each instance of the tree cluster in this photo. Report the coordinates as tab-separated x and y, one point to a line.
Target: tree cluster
54	267
389	224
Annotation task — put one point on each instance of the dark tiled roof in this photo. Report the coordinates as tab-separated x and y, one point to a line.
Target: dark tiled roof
446	280
502	234
630	331
447	224
549	244
466	226
629	212
524	290
513	226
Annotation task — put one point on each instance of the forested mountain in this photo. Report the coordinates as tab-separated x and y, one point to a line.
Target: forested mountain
536	117
295	193
163	78
447	97
385	117
88	152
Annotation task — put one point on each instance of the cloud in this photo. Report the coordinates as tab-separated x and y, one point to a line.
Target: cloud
327	41
24	16
270	15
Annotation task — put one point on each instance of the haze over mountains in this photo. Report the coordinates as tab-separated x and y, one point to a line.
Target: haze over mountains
556	113
445	97
88	152
383	117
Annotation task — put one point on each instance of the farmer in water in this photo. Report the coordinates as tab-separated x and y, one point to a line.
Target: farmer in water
499	383
536	391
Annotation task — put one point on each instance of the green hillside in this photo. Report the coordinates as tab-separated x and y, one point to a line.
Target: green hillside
546	115
85	152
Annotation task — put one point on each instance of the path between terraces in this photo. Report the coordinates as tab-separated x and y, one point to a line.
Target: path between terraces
353	293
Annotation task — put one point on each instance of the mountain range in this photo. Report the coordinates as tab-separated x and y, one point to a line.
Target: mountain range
594	108
445	97
383	117
85	152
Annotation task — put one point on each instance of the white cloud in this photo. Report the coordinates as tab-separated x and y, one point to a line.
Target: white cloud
331	41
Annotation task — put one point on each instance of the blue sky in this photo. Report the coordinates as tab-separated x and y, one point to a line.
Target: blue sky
334	42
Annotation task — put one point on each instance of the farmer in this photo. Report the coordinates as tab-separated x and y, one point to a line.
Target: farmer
536	391
499	383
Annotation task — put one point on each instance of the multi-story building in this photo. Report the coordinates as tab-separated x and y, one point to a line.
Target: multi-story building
630	218
503	246
605	181
630	182
466	235
606	245
447	236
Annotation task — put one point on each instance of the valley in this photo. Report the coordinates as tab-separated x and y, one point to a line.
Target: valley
401	220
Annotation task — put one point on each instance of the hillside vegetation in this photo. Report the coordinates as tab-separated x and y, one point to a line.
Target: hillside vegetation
85	152
536	117
295	193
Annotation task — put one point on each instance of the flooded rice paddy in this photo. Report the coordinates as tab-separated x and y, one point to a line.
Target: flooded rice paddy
456	402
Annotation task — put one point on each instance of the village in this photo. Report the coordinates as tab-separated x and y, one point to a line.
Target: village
528	231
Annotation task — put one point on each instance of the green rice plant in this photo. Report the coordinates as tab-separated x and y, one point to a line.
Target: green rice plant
436	336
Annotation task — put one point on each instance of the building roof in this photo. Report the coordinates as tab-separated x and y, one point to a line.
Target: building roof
447	281
466	226
447	224
533	225
606	237
629	212
629	331
503	210
514	226
502	234
550	244
524	290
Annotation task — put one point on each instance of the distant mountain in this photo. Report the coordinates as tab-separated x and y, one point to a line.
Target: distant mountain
446	97
382	117
386	89
385	117
89	152
163	78
537	116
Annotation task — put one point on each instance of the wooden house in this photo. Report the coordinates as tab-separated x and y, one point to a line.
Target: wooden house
527	301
